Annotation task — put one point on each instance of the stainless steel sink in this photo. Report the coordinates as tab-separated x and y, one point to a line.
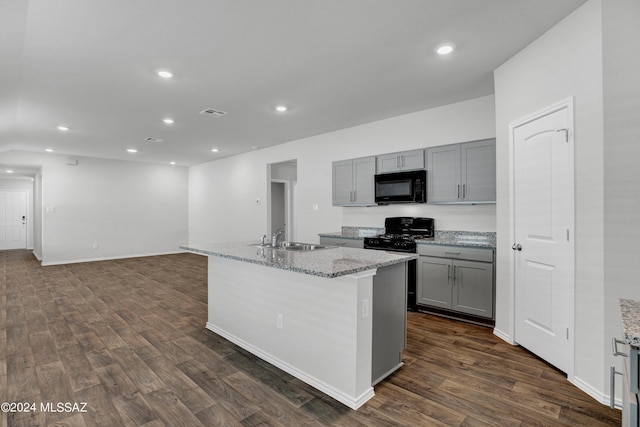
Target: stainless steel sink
295	246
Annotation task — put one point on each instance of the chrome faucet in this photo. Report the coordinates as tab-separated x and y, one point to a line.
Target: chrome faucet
274	237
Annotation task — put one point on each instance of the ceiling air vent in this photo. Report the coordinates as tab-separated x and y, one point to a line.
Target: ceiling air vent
212	112
152	139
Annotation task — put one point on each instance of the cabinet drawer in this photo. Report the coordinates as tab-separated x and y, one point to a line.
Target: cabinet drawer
456	252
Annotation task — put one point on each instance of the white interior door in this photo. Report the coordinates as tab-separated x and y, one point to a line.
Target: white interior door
543	248
13	220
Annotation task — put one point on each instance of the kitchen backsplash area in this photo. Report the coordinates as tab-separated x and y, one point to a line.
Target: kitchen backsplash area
480	218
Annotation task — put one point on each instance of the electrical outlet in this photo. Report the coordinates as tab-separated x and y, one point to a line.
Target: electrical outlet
279	321
365	308
95	246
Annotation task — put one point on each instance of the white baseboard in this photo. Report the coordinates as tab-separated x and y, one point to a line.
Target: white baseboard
582	385
350	401
503	336
603	398
76	261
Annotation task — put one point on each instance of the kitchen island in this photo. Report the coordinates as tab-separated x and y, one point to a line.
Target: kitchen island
333	317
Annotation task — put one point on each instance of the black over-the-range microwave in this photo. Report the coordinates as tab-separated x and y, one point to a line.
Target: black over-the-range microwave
401	187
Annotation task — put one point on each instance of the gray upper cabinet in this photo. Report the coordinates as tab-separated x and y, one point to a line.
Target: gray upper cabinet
403	161
462	173
353	182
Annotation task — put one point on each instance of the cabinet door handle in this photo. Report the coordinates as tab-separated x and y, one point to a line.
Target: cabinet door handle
458	191
450	254
614	343
403	161
449	272
464	191
612	386
355	195
398	161
454	274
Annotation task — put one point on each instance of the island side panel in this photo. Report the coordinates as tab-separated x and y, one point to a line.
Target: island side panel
389	320
311	327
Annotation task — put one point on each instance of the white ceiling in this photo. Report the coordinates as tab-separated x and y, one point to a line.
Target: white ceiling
91	65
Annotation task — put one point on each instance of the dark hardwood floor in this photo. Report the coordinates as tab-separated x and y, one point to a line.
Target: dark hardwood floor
127	337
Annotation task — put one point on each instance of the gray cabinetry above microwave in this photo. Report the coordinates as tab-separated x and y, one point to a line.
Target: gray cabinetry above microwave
353	182
402	161
462	173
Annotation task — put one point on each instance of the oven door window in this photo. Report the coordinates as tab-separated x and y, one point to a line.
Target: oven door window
393	189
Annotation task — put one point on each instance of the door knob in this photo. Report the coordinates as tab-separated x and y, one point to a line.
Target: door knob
516	247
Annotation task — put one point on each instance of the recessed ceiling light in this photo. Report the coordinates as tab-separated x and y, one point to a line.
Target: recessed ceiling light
168	121
445	49
9	171
49	150
172	163
281	108
131	150
63	128
254	147
215	150
165	74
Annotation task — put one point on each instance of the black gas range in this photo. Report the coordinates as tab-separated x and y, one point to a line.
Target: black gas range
400	235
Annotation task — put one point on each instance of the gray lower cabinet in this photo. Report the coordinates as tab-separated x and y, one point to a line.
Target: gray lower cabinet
353	182
342	241
457	279
630	379
462	173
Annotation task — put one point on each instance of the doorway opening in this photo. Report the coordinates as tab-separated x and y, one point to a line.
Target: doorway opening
281	178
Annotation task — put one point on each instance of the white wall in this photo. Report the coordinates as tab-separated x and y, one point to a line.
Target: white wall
621	24
127	208
564	62
223	193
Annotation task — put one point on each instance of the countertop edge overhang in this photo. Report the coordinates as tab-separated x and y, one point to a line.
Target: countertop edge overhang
630	313
328	263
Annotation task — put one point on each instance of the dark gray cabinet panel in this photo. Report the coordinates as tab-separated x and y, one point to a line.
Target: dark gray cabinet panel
629	376
389	320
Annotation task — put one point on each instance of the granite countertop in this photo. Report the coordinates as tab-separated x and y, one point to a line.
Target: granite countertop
331	262
474	239
630	313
